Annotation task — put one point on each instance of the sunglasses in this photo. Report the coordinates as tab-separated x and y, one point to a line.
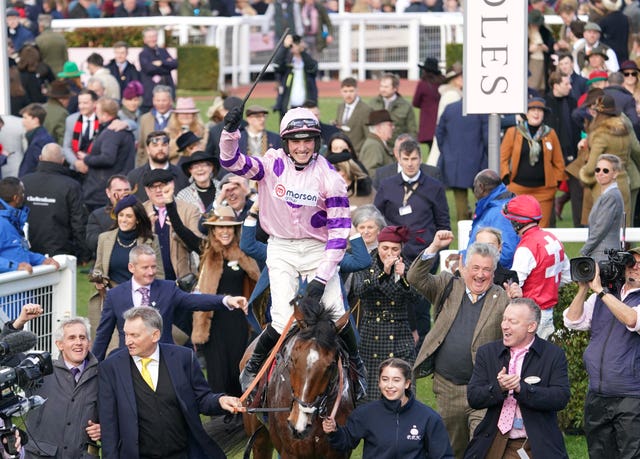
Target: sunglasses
633	74
604	170
159	140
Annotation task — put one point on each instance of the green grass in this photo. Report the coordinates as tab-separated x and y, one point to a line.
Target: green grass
576	445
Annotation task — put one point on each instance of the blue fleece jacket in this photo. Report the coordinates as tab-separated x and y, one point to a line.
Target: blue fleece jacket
391	430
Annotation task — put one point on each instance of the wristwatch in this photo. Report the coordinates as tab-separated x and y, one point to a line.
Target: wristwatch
603	292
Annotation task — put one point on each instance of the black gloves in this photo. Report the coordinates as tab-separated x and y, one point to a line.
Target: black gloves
233	118
315	289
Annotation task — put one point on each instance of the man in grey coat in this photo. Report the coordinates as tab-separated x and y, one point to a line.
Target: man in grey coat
66	426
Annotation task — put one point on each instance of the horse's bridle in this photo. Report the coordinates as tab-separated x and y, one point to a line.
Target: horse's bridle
319	404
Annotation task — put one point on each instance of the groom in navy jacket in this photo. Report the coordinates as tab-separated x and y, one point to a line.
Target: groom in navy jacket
145	290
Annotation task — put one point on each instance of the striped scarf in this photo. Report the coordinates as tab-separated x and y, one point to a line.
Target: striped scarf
77	134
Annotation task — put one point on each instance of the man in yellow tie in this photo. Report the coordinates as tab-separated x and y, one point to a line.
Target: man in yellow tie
150	397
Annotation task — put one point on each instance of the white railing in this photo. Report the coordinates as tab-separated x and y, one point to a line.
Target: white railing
363	42
563	234
54	290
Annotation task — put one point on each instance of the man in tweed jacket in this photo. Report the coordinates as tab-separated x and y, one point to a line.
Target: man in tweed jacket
470	316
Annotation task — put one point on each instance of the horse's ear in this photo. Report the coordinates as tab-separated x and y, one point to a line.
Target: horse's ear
342	321
297	312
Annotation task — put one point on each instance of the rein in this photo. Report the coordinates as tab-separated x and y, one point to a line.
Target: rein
266	364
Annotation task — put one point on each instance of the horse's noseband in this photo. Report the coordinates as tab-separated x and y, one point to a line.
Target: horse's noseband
319	404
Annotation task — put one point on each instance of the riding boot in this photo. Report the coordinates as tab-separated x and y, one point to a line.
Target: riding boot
267	339
348	336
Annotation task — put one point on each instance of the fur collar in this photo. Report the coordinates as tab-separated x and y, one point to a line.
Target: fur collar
614	126
211	266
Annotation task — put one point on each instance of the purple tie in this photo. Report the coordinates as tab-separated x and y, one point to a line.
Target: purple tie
75	371
146	297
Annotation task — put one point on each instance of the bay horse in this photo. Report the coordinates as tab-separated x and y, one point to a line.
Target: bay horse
304	384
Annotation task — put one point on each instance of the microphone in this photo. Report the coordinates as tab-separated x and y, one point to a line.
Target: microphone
15	343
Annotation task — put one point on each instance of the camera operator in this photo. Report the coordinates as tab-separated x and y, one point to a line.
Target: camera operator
66	426
28	312
613	400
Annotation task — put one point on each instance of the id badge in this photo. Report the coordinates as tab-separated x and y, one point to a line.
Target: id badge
522	454
405	210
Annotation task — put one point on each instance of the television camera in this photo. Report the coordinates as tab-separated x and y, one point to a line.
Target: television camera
20	373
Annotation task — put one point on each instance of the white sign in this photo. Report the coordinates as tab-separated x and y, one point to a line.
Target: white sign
495	56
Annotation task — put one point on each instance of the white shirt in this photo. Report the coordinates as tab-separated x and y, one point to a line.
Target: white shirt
299	85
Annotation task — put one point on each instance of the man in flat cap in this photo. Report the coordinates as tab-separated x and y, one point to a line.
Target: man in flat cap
592	32
255	139
375	152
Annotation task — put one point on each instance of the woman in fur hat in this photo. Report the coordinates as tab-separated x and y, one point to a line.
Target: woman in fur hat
223	336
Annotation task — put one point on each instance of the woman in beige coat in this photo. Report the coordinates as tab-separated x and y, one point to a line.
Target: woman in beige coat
609	132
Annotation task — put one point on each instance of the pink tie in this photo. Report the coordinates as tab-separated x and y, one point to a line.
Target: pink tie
508	413
162	215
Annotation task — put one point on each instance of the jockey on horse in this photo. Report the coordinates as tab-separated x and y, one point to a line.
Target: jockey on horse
305	210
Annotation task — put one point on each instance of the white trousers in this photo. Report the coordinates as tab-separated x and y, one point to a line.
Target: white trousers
291	261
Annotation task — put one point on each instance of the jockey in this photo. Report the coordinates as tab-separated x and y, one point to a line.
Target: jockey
305	210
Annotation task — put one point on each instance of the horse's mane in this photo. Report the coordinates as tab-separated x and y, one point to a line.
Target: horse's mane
319	326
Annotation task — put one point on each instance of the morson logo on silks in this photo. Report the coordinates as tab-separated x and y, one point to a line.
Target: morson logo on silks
299	198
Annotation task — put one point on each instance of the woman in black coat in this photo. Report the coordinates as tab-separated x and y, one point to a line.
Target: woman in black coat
387	325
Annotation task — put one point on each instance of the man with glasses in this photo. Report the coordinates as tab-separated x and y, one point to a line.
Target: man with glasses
157	153
539	260
611	421
305	210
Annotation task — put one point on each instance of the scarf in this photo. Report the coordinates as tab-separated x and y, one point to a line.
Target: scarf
534	142
77	134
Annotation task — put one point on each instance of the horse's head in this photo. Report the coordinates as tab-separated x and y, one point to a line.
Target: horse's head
313	371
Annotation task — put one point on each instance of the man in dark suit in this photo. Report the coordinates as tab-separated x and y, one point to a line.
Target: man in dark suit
112	153
353	113
414	200
122	69
156	65
394	169
255	139
150	397
522	381
145	290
